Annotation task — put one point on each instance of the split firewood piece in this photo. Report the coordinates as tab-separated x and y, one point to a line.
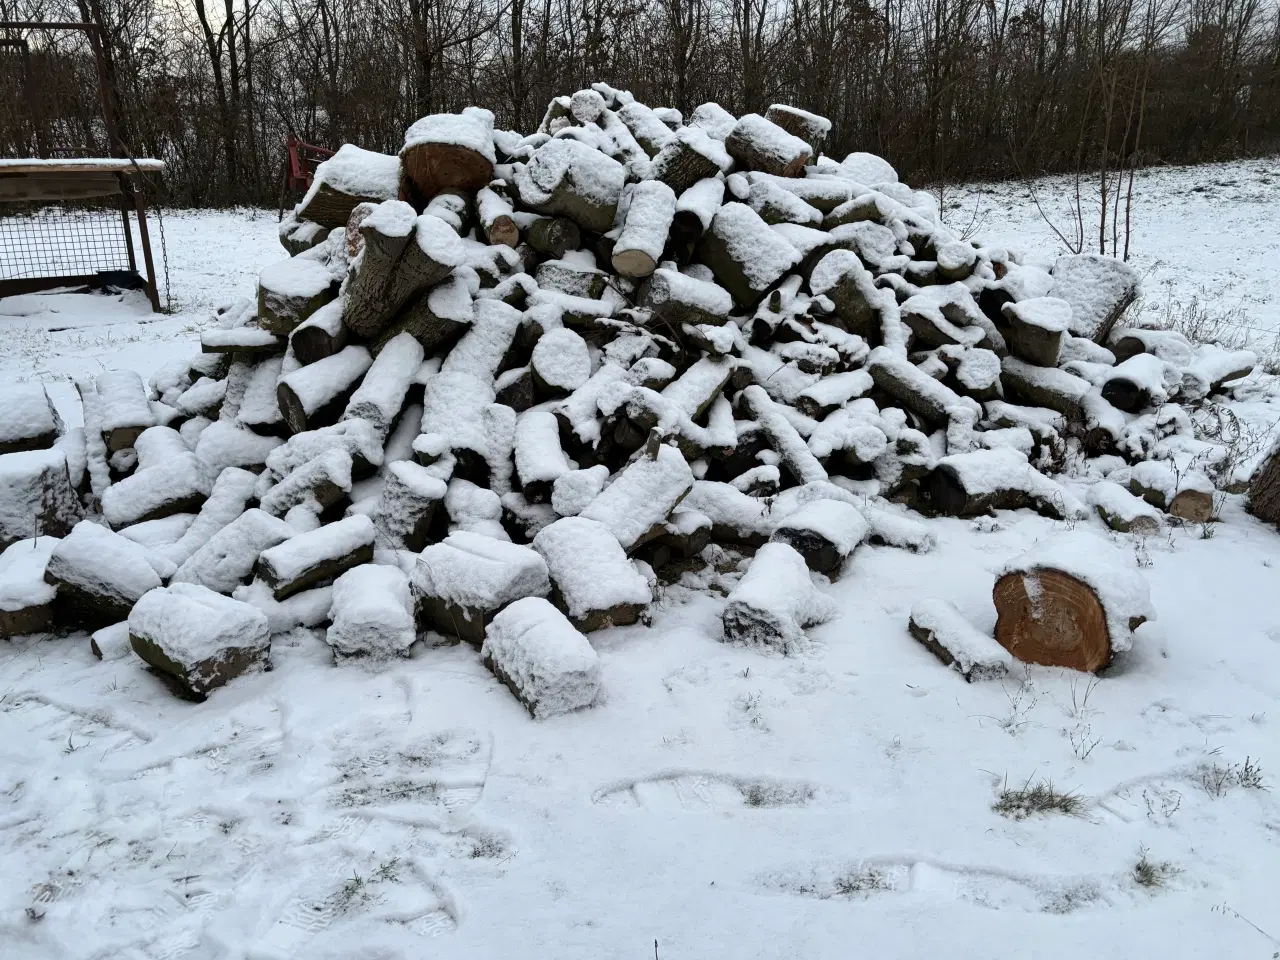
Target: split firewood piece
745	254
350	177
956	260
1044	386
678	298
824	532
495	214
319	484
36	496
1186	494
690	156
546	664
809	127
26	599
696	207
969	484
595	584
914	389
227	559
574	279
554	236
639	246
539	460
198	638
714	119
315	395
684	536
321	335
636	505
570	179
944	632
791	448
315	558
357	438
299	236
372	613
1072	601
381	393
29	420
1038	329
759	144
231	493
1123	511
1141	381
123	408
774	602
384	233
841	276
465	579
100	575
407	505
449	150
561	362
292	290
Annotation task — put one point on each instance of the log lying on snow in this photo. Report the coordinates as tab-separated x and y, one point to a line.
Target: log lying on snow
198	638
29	420
1122	511
1186	494
774	602
547	664
1072	601
372	613
969	484
944	632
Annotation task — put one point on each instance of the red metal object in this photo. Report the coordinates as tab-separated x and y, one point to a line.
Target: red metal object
300	162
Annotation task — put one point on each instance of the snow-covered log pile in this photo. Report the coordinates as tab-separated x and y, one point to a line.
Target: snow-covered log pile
563	366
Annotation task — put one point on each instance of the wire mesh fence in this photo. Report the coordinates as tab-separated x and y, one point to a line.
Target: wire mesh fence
40	240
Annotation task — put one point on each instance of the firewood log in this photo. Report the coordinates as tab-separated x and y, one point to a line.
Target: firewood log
449	150
759	144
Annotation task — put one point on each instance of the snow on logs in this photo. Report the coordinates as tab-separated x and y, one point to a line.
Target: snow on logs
553	371
1072	601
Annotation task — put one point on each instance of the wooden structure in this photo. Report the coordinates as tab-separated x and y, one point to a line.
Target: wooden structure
42	254
299	169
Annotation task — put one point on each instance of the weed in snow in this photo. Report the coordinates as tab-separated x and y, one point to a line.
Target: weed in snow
1153	874
1018	803
1216	778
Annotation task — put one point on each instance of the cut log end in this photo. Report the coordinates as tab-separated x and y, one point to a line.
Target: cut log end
633	263
503	230
433	167
1051	618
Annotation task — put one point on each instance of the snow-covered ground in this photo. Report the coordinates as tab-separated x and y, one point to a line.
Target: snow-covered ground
721	802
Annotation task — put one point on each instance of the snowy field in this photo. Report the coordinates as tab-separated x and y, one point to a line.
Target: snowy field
721	802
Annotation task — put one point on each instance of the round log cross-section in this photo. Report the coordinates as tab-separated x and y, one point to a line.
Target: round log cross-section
433	167
1051	618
